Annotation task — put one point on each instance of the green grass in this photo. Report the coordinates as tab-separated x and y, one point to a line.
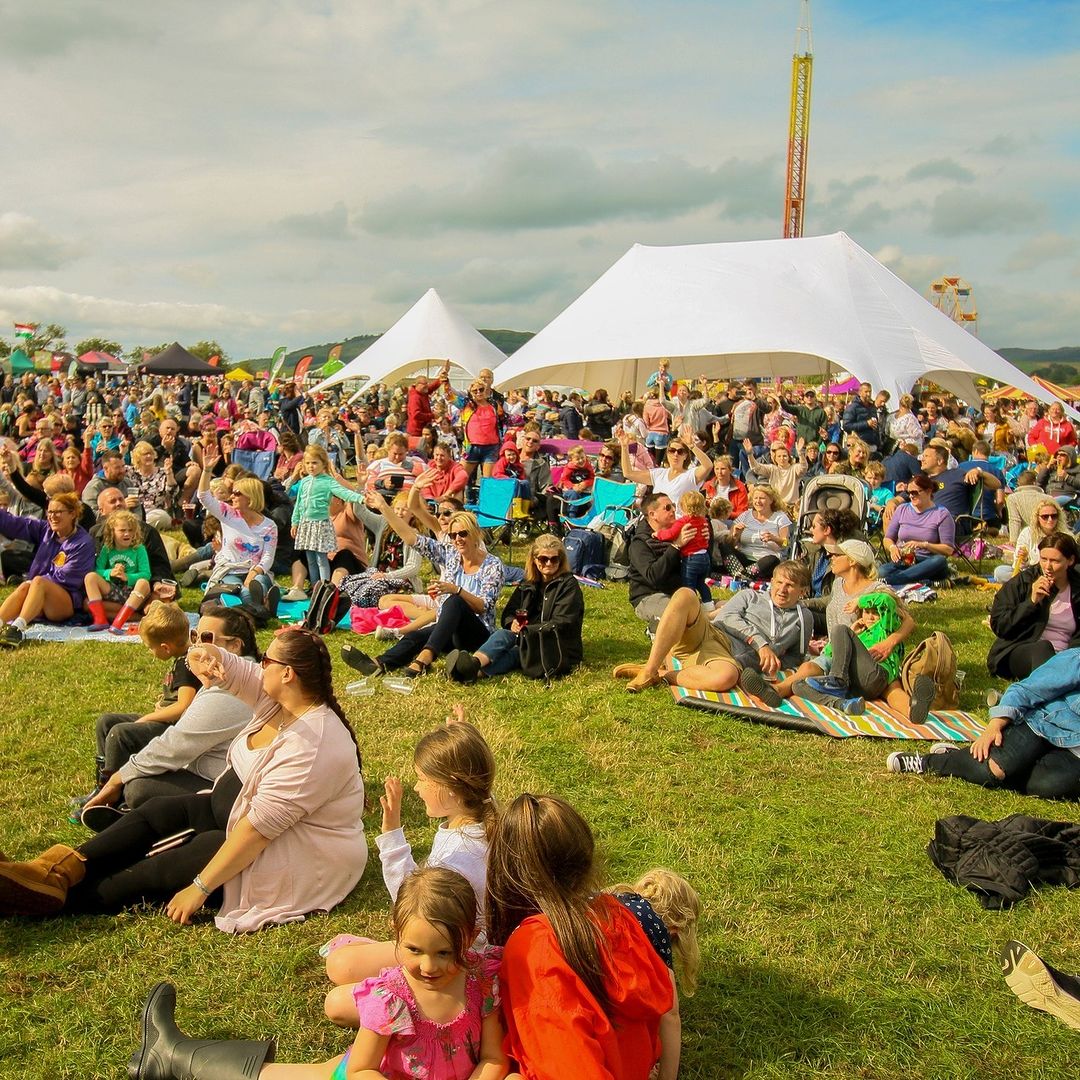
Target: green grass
832	947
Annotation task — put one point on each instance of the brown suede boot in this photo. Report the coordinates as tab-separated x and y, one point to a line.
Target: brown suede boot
40	886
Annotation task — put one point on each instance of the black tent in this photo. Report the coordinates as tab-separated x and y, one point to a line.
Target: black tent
176	360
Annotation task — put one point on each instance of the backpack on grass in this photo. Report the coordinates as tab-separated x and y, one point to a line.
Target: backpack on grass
328	606
585	553
935	658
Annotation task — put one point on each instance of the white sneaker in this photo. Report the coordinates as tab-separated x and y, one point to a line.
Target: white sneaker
387	633
944	747
295	596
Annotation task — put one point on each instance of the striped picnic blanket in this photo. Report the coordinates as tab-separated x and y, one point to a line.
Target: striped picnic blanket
798	714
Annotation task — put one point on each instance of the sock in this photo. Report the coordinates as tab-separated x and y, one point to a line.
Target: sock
122	616
97	611
19	623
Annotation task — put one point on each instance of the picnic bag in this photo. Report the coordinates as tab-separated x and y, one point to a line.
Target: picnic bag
541	653
329	605
933	657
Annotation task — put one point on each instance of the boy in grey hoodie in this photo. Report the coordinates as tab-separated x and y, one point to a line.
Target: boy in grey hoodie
771	630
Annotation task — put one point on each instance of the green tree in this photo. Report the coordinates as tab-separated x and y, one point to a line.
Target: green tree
205	349
136	353
52	337
98	344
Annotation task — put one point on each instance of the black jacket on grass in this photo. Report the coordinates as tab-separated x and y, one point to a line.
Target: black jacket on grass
655	565
1015	620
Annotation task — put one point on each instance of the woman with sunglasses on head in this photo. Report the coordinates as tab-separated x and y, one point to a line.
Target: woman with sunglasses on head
1047	518
248	538
280	835
547	607
677	478
64	554
189	755
1036	614
469	581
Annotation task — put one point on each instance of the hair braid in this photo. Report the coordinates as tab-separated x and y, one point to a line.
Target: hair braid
332	701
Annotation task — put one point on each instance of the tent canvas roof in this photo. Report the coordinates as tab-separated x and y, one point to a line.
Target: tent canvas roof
431	330
176	360
760	308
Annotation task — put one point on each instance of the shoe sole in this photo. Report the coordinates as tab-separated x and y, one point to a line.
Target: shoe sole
362	663
29	898
754	684
1030	980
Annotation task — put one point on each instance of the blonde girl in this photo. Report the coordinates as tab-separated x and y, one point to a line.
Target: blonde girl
1047	517
455	771
312	529
668	907
121	576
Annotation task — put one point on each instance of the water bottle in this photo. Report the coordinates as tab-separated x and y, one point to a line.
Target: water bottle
360	688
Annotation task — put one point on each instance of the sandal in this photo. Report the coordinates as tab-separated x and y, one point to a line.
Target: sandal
416	669
359	660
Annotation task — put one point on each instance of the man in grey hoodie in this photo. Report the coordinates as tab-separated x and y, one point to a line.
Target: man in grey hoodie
769	631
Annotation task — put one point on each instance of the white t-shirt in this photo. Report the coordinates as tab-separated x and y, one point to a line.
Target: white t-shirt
674	487
749	544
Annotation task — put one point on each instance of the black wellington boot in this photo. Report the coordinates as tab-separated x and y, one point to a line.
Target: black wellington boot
166	1053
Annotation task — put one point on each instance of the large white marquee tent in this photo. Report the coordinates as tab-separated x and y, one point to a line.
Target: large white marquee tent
430	332
756	309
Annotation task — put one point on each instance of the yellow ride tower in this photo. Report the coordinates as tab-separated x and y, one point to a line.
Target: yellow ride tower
802	67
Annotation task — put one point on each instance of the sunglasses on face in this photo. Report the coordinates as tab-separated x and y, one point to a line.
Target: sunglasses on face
1048	517
205	637
266	661
832	453
460	535
547	560
445	513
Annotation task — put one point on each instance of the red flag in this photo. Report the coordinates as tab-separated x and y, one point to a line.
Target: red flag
215	360
302	368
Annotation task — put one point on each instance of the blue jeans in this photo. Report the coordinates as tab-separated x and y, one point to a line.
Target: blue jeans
502	650
318	566
695	569
1031	765
932	568
245	594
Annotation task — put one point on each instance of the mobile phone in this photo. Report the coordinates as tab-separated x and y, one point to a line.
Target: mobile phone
397	482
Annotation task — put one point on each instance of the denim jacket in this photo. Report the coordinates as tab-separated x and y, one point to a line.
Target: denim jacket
1048	700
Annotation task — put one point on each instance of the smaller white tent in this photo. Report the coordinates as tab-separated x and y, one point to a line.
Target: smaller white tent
427	334
758	309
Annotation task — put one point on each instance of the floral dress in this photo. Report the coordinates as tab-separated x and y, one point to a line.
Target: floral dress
419	1047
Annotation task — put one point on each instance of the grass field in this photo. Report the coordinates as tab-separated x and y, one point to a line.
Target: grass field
832	947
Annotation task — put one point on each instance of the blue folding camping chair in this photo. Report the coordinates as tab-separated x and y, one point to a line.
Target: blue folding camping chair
494	501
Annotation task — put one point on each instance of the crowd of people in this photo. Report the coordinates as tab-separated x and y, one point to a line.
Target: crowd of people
122	494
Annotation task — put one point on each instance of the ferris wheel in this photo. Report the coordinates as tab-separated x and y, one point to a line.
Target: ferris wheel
954	296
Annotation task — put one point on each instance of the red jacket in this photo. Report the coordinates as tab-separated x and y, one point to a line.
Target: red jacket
1052	435
554	1028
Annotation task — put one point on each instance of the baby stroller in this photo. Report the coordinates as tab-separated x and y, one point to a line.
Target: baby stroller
830	491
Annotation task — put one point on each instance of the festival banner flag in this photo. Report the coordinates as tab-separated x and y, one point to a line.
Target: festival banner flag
302	368
277	362
25	330
214	360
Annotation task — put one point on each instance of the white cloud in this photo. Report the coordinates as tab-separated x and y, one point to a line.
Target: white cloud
25	244
1047	247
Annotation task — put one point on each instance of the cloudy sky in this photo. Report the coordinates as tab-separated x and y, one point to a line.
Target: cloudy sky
270	172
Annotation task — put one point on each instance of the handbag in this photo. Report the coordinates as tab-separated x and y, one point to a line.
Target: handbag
541	653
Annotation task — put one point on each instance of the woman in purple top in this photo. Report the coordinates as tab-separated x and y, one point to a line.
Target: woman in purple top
919	538
64	554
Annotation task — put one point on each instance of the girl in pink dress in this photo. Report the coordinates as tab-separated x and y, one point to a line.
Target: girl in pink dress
436	1016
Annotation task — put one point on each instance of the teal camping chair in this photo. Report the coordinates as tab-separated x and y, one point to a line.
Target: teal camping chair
494	501
610	501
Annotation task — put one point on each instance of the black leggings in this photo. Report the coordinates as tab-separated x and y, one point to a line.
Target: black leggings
1020	661
118	871
457	626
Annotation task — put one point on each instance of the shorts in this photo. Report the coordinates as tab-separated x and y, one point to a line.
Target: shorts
482	453
704	644
654	440
422	600
119	591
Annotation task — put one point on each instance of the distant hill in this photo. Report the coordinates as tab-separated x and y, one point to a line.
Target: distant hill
506	340
1061	366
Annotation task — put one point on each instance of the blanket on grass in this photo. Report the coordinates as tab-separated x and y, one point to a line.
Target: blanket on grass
798	714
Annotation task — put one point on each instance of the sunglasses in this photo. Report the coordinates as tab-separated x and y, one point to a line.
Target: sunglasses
1049	517
459	535
205	637
266	661
546	559
445	513
832	453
